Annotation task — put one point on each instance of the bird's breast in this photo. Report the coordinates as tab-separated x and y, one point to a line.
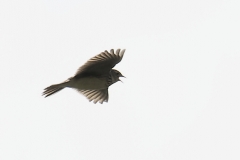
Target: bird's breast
88	83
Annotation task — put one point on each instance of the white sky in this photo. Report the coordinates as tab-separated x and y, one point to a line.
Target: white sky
180	99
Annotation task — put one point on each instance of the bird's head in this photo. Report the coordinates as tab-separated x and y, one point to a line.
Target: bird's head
115	75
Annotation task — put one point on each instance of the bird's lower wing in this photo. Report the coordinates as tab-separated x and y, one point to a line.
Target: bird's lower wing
95	95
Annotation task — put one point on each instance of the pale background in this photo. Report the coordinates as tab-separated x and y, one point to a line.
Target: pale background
180	99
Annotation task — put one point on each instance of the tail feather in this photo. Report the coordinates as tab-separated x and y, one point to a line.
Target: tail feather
52	89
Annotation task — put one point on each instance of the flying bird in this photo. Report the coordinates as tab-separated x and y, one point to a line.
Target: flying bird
94	77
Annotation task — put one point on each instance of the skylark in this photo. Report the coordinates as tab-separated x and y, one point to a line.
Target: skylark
94	77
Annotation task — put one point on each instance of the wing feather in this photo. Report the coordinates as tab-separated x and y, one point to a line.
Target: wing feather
101	64
96	95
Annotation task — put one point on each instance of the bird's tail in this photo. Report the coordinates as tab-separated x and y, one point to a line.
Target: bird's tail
53	89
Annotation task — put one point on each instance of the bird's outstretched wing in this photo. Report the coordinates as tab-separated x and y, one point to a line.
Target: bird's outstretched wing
101	64
95	95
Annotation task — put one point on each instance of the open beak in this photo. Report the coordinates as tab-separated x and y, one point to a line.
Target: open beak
120	79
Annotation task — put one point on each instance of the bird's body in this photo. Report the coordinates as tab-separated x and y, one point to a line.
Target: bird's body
94	77
90	82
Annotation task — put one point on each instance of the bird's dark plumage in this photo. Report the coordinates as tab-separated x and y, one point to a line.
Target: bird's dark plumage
94	77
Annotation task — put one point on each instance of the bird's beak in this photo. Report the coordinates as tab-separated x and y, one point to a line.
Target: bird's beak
120	79
122	76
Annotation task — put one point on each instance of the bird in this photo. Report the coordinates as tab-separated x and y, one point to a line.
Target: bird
94	77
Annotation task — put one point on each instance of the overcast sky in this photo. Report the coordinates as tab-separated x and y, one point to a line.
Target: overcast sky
180	99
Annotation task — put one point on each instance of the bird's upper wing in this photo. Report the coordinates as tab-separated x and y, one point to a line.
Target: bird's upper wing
101	64
96	95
